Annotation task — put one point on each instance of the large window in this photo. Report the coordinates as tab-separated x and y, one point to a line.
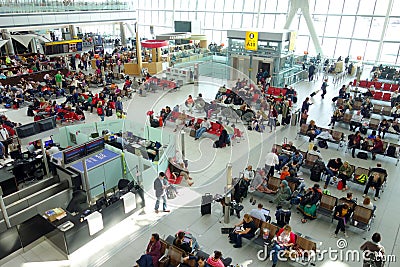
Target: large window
344	27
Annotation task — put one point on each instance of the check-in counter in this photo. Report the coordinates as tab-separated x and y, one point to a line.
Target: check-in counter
79	234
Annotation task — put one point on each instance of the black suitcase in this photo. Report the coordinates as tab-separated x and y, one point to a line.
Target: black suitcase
206	204
315	175
109	112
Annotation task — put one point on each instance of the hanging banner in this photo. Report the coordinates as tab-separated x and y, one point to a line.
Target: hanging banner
251	42
292	42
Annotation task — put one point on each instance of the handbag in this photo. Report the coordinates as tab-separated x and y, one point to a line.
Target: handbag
340	185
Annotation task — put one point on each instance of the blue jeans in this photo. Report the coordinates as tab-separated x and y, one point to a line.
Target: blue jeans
283	159
238	238
164	198
200	131
330	174
275	250
272	123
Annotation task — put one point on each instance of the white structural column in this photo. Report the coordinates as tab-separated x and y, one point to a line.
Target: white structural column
122	33
173	15
9	46
258	14
304	6
385	26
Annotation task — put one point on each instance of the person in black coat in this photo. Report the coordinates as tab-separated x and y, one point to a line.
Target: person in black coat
342	214
160	184
311	71
223	139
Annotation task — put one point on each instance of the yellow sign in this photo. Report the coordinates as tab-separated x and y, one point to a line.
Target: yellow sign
292	42
251	42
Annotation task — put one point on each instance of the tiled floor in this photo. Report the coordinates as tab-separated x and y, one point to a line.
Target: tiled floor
125	243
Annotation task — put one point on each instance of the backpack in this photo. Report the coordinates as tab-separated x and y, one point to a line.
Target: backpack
326	192
100	111
171	192
340	185
361	179
362	155
322	144
391	151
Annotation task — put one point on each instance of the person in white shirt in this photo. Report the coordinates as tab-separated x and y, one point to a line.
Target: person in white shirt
52	150
204	126
316	152
4	136
248	173
257	213
270	161
356	121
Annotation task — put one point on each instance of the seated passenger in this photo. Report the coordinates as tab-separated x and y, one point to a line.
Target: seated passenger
345	172
285	172
375	181
308	203
217	261
312	130
245	229
178	159
368	204
284	240
383	127
182	243
337	115
283	193
153	253
377	148
355	121
204	126
258	214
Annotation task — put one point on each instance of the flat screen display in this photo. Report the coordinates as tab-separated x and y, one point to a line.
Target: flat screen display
94	145
74	153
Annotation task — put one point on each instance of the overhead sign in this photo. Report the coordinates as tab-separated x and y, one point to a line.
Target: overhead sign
292	42
251	42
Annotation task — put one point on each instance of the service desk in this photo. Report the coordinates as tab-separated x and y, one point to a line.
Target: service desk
71	240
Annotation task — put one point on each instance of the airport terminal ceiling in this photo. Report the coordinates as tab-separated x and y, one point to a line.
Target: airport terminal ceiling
344	27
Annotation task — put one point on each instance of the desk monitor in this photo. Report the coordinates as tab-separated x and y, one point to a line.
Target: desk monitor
48	143
129	134
25	156
94	135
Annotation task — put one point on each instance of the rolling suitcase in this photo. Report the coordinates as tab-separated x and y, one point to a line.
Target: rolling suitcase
109	112
295	118
206	204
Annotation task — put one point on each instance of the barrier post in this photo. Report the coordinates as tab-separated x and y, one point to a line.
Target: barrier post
227	206
3	209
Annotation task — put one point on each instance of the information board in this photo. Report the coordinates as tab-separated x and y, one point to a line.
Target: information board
96	160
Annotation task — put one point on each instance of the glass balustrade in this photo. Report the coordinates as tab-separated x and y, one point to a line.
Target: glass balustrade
38	6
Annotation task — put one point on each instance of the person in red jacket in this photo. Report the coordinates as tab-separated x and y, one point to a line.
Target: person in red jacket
272	116
377	148
217	260
153	253
284	239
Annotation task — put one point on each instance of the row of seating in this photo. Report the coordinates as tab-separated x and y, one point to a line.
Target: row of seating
376	108
215	129
302	243
361	217
165	84
377	85
338	137
275	91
